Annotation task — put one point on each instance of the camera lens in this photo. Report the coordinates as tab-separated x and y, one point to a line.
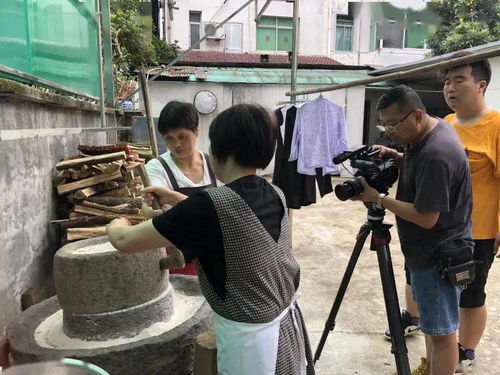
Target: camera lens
348	189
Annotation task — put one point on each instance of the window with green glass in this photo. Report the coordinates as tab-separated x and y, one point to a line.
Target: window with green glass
373	37
274	34
416	35
343	36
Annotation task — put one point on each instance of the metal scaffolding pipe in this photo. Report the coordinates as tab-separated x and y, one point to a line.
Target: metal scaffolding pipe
295	44
400	75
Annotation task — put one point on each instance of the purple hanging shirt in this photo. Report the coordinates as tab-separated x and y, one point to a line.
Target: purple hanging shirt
318	136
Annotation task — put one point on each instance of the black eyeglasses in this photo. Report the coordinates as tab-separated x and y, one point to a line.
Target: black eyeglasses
391	128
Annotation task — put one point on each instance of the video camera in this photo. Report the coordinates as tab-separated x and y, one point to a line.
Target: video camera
379	173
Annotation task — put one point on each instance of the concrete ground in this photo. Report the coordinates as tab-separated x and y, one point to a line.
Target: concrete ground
323	238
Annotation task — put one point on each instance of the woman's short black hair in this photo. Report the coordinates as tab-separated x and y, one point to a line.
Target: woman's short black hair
245	131
177	115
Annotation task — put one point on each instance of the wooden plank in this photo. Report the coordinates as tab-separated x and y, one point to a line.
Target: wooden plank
74	234
66	188
91	160
117	210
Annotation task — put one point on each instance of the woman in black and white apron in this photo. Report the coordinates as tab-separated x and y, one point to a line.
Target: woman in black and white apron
238	235
182	170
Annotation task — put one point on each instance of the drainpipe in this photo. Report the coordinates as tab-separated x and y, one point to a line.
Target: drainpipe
330	31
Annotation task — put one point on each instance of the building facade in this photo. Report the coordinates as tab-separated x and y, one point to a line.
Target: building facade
356	33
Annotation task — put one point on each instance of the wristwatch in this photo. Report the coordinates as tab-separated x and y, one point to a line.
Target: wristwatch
378	204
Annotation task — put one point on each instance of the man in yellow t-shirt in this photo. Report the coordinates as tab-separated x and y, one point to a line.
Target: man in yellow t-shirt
478	128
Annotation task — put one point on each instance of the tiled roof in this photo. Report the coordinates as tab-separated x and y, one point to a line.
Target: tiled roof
214	57
184	71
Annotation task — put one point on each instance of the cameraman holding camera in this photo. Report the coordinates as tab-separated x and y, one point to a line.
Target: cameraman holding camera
433	208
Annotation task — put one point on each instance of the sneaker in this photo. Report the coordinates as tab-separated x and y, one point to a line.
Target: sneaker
466	360
411	325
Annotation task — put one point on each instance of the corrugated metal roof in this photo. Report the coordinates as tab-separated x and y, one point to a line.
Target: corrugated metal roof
280	76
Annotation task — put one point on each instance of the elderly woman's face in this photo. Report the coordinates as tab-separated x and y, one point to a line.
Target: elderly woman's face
181	142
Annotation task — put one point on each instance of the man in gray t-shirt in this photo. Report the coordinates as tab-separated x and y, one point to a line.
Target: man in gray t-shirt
435	178
432	207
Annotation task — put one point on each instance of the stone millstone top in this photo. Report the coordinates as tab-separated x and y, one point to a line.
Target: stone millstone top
92	277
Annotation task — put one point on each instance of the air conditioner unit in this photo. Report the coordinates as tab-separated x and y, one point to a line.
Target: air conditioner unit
212	33
341	8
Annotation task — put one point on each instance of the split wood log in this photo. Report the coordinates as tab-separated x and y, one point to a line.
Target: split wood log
74	234
98	212
115	201
90	160
117	210
112	167
66	188
78	174
84	221
87	192
110	185
74	215
61	177
122	191
126	177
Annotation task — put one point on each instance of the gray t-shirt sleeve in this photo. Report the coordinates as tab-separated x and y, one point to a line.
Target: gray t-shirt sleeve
433	185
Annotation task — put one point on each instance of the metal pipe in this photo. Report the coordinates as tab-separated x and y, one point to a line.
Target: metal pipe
102	107
264	7
400	75
295	44
149	115
32	79
195	44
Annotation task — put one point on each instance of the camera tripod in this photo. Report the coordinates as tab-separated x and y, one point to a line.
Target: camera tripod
379	243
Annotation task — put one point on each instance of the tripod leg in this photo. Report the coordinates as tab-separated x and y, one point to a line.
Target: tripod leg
330	322
399	349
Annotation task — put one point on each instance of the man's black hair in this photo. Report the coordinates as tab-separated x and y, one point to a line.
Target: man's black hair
245	131
480	70
405	97
177	115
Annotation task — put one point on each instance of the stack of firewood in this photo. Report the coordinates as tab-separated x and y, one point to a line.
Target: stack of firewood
100	184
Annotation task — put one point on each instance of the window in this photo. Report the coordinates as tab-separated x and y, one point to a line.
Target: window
343	41
195	28
389	34
234	37
416	35
274	34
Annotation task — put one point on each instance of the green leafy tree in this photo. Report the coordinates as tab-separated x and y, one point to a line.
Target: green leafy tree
465	24
131	48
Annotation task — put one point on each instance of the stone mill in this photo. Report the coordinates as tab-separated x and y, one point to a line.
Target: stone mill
117	311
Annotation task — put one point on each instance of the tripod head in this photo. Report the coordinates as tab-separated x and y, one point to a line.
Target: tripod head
374	216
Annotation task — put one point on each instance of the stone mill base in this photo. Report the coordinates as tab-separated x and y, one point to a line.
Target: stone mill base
170	352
